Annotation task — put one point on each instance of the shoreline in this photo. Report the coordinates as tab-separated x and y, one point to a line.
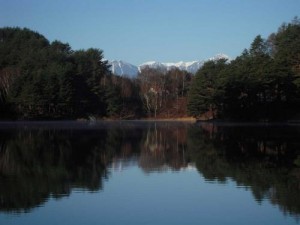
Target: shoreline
179	119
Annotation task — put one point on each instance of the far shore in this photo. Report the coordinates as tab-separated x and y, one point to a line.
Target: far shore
178	119
183	119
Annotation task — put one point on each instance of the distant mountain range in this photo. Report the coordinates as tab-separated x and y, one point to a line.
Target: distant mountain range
122	68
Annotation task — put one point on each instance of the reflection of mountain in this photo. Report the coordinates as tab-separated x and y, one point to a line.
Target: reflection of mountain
160	148
120	164
39	163
261	158
163	149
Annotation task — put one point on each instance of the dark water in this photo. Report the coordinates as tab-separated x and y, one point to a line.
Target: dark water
149	173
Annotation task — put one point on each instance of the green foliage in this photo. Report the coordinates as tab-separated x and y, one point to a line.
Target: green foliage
113	101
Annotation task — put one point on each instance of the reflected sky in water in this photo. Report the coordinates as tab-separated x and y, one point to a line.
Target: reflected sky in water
150	174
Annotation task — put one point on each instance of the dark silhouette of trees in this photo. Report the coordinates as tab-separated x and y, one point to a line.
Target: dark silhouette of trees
263	83
204	92
43	80
262	158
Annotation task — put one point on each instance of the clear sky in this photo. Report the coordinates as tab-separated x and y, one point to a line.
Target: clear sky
137	31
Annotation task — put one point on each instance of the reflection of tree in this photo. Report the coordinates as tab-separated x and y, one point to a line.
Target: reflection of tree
163	148
123	143
261	158
37	164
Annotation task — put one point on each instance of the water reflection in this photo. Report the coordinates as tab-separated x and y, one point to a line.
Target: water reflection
37	163
163	148
262	158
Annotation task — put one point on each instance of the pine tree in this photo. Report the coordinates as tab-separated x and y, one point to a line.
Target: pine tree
204	90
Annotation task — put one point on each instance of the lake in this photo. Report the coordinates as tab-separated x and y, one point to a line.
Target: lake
134	172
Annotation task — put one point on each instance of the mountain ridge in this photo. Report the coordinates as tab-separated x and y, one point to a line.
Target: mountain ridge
122	68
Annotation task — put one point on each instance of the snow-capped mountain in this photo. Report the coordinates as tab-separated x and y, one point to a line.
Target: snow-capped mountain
220	56
191	67
152	64
122	68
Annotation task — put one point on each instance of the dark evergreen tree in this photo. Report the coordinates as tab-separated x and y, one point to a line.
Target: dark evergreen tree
205	89
90	69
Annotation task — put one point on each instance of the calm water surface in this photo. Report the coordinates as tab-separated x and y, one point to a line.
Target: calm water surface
149	173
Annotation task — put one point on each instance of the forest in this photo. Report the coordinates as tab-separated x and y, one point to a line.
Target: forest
43	80
261	84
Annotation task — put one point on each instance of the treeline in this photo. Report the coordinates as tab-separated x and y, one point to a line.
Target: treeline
261	84
43	80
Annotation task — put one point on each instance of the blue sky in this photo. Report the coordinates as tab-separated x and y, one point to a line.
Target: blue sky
137	31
